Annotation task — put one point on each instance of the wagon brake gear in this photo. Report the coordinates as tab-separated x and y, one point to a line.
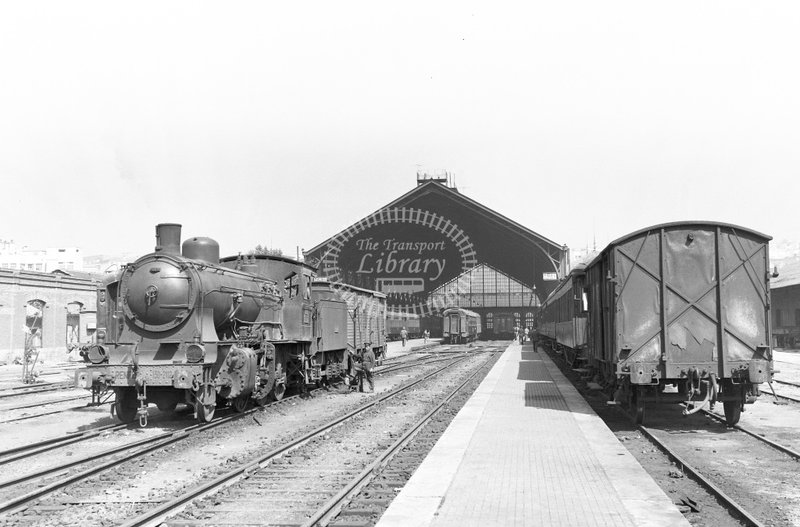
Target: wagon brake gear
709	396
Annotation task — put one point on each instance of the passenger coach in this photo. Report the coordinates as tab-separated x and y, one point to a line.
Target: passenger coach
460	325
683	304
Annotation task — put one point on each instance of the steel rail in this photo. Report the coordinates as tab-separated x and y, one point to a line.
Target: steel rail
157	515
785	449
20	502
20	452
45	403
44	414
782	396
787	383
332	507
32	390
738	509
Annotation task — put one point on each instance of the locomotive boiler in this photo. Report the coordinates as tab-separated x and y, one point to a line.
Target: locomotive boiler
179	325
683	304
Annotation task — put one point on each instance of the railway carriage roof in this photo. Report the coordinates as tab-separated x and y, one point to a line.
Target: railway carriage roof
670	225
460	310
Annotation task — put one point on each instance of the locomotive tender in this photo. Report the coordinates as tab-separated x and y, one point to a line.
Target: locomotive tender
182	325
683	304
460	325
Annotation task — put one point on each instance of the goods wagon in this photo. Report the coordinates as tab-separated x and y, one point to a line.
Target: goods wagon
683	304
397	320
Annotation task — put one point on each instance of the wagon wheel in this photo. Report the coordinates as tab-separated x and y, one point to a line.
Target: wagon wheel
240	403
638	406
733	409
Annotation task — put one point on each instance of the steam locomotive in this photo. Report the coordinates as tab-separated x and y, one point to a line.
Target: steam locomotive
684	304
182	325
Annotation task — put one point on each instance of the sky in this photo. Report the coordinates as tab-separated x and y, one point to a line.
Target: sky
281	123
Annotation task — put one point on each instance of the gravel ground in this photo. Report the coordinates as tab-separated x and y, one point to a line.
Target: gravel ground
112	497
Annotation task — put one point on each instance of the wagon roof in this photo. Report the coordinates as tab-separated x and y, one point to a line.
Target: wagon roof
285	259
697	223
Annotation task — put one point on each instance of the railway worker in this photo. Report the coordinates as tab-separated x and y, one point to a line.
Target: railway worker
404	336
425	335
526	335
367	363
516	333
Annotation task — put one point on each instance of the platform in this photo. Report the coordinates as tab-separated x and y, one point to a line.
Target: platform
527	450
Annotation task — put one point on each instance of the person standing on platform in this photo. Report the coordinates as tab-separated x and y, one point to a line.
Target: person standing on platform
367	363
516	333
404	336
425	335
526	335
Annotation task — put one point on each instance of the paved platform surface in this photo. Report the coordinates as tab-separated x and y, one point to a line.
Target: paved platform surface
527	450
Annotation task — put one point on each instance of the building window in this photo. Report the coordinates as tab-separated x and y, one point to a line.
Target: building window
34	316
528	319
73	325
291	285
489	321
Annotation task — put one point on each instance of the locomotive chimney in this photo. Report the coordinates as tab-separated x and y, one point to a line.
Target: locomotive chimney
168	238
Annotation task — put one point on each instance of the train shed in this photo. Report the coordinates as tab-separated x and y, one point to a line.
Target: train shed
434	247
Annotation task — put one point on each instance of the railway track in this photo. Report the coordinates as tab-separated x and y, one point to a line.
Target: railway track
714	456
323	467
19	391
95	463
28	492
737	509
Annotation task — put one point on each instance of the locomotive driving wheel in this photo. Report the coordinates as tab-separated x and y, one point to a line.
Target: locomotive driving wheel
125	404
205	403
240	403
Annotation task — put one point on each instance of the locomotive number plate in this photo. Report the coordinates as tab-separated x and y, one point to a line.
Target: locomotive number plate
152	375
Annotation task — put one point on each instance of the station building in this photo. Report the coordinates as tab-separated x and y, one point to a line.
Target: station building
434	248
50	312
785	293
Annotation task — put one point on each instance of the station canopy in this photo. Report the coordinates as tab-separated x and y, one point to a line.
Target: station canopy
432	236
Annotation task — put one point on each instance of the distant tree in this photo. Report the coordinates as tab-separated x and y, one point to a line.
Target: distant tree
260	249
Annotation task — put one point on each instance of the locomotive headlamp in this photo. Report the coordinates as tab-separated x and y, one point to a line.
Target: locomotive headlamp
195	352
100	335
97	354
